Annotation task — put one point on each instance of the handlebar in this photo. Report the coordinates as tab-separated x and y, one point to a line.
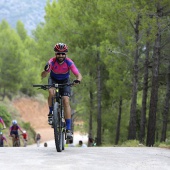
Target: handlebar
55	85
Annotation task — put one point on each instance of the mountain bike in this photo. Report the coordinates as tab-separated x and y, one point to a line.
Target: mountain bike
16	142
58	120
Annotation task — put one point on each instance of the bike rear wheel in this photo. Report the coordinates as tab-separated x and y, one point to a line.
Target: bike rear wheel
58	134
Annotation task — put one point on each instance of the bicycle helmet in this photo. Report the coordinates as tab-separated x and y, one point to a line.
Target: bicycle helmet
24	131
14	122
61	47
1	133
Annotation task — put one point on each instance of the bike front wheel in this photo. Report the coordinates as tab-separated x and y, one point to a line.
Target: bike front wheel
58	134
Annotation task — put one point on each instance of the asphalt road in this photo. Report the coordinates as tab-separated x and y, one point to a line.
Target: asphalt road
91	158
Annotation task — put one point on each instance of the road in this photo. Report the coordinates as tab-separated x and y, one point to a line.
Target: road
91	158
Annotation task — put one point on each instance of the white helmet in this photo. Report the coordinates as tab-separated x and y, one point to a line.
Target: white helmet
14	122
1	133
24	131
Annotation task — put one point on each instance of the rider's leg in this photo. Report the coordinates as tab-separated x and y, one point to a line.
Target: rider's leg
51	94
67	111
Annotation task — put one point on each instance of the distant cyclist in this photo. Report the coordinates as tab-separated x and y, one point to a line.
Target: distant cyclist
14	130
59	68
2	122
25	138
38	139
2	139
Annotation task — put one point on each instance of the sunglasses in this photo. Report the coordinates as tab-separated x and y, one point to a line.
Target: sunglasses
60	53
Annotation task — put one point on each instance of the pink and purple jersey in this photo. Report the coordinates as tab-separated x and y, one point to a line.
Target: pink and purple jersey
62	71
15	128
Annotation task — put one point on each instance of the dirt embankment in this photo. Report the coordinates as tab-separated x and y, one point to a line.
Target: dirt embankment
35	112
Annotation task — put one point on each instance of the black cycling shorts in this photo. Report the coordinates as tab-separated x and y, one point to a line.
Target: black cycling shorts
66	91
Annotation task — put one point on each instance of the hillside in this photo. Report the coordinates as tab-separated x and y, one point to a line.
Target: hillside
35	112
30	12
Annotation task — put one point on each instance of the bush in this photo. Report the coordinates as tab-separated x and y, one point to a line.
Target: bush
130	143
5	115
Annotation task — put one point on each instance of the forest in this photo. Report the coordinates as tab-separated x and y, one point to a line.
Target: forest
121	48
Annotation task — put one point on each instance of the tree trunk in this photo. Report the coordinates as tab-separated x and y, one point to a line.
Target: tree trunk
90	120
166	108
144	97
154	91
99	121
132	122
118	121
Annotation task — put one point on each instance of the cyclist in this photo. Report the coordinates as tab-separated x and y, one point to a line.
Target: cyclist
59	68
2	139
14	130
38	139
25	137
2	122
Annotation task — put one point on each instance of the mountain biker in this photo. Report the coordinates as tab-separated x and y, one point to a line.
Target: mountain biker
59	68
2	139
14	130
38	139
25	137
2	122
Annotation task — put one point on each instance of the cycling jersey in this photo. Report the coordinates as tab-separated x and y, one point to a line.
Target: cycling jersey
62	71
24	135
14	128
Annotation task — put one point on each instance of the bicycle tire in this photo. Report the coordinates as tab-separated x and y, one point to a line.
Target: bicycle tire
57	127
63	138
16	143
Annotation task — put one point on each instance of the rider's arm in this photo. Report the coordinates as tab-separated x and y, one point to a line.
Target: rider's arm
44	74
2	122
10	131
5	139
76	72
79	76
47	68
20	129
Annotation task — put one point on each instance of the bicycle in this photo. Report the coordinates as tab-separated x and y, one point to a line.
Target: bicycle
58	120
16	142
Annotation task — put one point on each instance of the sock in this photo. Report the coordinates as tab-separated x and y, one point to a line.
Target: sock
68	124
50	109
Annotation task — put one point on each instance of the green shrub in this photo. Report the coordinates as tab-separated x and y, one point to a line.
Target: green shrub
5	115
130	143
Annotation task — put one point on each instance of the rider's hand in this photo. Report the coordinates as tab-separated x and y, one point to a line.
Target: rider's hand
46	68
76	81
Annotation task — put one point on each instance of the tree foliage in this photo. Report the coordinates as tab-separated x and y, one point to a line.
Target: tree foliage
113	43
